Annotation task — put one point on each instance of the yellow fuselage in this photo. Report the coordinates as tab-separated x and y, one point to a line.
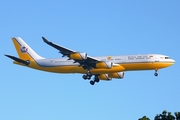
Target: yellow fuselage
121	67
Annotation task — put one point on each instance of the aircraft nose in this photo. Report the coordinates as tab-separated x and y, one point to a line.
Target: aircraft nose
173	61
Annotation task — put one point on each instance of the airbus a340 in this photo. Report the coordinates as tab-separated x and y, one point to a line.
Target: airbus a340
100	68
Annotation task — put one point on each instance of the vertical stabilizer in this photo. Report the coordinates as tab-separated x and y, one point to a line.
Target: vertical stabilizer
24	51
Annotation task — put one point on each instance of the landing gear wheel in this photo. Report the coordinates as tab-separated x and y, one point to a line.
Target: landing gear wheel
92	82
88	77
96	80
84	77
89	73
156	74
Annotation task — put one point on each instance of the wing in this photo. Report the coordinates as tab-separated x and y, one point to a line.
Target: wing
62	50
87	62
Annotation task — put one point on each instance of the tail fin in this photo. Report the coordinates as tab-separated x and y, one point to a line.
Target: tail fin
24	51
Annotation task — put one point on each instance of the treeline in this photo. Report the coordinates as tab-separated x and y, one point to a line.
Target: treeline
164	116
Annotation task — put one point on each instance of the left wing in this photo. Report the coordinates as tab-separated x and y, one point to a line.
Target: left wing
87	62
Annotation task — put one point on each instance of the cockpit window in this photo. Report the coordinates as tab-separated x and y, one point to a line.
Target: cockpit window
167	57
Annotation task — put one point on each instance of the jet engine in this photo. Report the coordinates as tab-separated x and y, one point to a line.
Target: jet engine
116	75
78	56
104	77
104	64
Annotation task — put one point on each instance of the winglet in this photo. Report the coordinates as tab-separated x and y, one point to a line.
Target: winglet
62	49
48	42
45	40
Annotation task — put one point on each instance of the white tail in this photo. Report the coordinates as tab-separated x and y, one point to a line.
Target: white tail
24	51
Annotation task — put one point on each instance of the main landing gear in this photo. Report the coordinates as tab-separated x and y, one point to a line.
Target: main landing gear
88	77
96	79
156	72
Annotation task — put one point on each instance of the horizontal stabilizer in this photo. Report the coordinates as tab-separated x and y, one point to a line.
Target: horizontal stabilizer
18	60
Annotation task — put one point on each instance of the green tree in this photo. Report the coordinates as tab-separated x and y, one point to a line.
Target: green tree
177	114
164	116
144	118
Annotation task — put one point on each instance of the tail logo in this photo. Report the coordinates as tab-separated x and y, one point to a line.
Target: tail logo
24	49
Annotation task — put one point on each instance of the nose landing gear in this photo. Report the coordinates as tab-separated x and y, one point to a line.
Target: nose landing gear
156	72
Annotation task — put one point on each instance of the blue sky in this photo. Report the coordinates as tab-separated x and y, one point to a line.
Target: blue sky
98	28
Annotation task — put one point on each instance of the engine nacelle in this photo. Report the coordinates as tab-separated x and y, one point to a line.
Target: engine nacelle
104	77
78	56
116	75
104	64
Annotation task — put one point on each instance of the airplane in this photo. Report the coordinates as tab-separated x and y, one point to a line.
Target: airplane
101	68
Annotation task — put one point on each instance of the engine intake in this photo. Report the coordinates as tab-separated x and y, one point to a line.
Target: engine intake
103	64
78	56
116	75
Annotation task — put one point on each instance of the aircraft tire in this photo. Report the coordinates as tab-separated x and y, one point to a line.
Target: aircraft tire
155	74
92	82
96	80
88	77
84	77
88	73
